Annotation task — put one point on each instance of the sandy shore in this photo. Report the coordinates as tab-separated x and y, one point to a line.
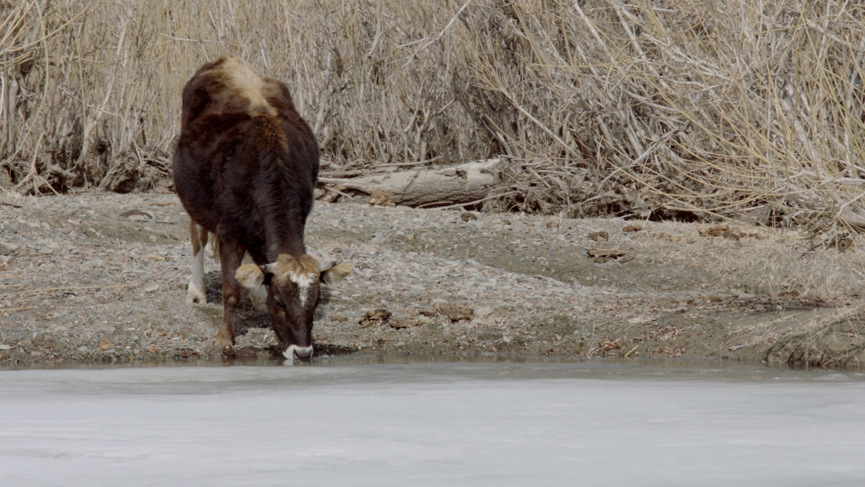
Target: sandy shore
101	278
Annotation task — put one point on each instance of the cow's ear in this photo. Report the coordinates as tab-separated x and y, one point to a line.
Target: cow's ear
249	276
333	272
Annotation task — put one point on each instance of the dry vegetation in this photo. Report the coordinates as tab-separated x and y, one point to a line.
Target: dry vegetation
686	109
667	108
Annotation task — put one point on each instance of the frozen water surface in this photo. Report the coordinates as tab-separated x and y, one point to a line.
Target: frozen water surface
431	424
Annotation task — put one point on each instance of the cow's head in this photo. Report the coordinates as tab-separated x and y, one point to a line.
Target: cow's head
292	295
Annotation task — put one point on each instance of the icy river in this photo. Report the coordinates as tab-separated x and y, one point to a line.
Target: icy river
439	424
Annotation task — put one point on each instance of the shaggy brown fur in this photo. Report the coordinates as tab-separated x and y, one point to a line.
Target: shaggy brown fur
244	169
287	268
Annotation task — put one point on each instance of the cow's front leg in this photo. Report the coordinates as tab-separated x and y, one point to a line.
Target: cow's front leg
195	292
230	255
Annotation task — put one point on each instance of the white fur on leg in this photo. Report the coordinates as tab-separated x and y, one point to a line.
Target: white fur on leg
195	292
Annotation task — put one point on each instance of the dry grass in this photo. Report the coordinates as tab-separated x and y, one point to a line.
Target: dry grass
670	108
834	340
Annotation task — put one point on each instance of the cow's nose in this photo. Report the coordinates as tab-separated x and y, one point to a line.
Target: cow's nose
293	351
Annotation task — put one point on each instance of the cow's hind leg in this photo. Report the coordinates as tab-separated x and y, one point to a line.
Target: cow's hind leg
196	292
230	255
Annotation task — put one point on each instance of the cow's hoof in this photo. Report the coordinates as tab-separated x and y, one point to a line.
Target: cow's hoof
224	341
228	351
195	296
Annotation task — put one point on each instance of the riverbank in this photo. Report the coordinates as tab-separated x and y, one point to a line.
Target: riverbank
101	278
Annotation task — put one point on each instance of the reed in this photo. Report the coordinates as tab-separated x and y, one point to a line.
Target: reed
695	109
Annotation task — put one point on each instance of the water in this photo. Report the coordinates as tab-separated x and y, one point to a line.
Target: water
432	424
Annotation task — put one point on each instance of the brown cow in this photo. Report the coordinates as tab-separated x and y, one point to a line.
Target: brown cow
244	169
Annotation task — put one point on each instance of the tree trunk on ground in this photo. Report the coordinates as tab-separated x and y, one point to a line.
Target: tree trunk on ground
425	187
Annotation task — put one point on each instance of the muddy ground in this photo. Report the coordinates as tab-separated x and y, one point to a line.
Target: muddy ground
101	278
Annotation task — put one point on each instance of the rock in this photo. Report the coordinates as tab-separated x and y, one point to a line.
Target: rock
603	255
483	312
379	198
552	224
731	235
722	231
632	228
403	323
468	216
640	320
399	324
138	215
454	312
3	346
375	318
427	312
151	288
599	236
9	246
105	345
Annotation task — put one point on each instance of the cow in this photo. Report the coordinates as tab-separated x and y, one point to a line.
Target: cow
244	168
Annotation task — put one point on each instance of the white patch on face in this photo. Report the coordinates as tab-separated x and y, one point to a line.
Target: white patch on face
303	282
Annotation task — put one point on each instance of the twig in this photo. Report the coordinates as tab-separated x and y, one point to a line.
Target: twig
737	347
72	288
7	310
33	173
460	205
325	176
440	34
198	41
416	163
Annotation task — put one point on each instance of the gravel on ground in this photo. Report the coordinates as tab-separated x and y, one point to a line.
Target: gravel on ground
96	278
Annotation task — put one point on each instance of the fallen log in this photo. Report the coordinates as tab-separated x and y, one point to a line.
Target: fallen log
424	187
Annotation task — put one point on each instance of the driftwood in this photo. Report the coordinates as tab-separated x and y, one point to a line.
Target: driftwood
424	187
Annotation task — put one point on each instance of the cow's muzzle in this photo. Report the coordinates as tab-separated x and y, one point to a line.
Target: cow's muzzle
295	352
